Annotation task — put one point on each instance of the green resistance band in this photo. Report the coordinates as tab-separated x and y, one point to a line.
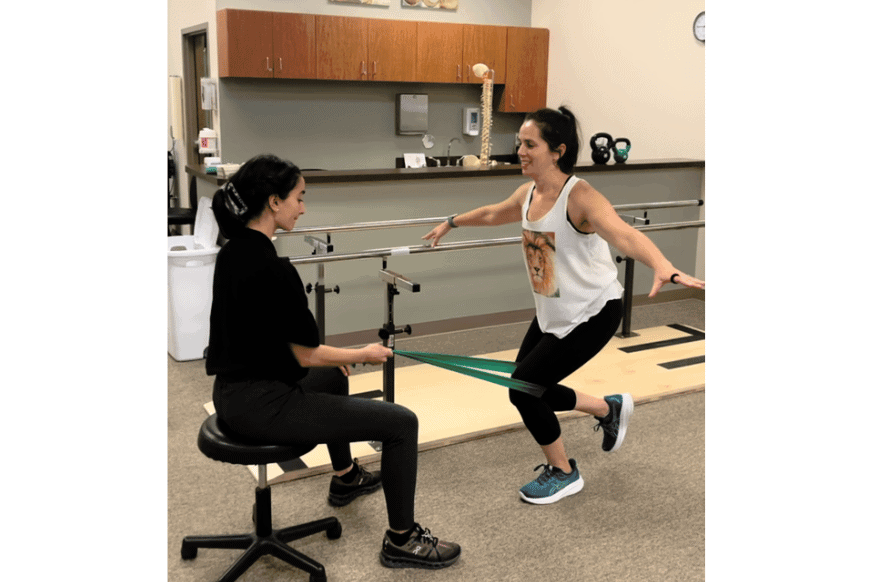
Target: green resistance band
473	366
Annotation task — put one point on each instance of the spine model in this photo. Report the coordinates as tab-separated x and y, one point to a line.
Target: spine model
482	70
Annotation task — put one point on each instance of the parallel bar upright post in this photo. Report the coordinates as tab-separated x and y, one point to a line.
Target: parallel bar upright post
320	247
388	342
319	303
627	304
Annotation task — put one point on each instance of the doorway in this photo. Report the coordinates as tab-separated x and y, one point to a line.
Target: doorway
195	50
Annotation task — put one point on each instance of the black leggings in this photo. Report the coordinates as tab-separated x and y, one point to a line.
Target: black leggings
546	360
320	410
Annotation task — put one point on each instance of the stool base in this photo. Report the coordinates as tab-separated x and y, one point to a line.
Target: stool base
266	541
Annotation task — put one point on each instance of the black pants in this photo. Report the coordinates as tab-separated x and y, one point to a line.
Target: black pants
319	410
546	360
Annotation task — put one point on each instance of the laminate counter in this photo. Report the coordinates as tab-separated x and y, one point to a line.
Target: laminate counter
404	174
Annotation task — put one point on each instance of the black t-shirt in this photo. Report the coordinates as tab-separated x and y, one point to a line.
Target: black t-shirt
259	308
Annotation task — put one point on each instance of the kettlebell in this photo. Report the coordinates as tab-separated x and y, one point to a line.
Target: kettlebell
600	153
621	154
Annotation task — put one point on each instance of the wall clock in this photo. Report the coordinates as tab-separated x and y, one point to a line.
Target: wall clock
700	27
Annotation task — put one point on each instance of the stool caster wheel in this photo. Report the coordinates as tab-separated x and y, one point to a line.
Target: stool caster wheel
317	578
189	552
335	531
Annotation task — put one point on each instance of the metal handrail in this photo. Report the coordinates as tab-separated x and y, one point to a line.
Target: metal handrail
455	246
407	222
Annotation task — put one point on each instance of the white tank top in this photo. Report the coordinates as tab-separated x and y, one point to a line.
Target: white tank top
572	274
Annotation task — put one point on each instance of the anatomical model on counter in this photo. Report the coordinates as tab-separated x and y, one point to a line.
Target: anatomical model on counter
485	73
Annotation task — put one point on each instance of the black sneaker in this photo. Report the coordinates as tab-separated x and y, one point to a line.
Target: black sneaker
421	551
344	493
614	424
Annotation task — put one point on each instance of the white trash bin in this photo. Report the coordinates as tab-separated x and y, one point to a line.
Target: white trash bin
191	265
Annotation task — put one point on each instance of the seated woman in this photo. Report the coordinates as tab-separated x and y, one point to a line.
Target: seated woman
276	383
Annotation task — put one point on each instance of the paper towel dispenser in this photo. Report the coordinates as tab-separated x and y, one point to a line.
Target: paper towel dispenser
411	114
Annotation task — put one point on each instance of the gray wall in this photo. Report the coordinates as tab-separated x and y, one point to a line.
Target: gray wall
457	284
339	125
350	125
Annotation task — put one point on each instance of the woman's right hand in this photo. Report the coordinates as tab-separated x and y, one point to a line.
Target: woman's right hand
376	354
437	233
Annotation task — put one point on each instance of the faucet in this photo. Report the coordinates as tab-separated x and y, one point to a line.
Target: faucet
449	151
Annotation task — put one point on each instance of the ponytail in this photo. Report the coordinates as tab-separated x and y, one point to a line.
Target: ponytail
245	194
228	223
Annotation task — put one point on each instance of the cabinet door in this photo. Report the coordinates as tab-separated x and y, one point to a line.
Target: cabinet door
392	50
245	43
440	53
527	77
294	45
484	44
341	48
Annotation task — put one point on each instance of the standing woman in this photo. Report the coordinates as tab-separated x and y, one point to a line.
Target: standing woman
277	384
566	225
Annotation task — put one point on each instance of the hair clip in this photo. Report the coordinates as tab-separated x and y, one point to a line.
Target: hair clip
234	201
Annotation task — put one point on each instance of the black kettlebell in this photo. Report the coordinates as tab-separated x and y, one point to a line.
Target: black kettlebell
600	153
621	154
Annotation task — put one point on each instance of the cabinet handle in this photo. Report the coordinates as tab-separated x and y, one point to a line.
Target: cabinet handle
512	101
268	65
280	64
363	68
469	72
459	72
374	68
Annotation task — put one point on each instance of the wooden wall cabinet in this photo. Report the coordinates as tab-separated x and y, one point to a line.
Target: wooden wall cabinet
294	45
527	78
393	50
341	50
253	43
484	44
364	49
260	44
440	53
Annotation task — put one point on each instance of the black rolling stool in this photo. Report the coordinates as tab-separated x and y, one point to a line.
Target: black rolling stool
216	442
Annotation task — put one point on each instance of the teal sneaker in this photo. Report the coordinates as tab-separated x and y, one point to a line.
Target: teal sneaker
552	485
614	424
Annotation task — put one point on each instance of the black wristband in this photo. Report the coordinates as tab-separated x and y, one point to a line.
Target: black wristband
673	276
451	221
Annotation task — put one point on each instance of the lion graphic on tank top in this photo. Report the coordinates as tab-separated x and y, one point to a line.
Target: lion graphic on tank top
539	253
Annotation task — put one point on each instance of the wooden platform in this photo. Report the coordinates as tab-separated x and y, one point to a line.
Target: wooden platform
453	408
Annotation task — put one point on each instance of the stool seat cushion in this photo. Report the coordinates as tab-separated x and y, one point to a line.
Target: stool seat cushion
218	442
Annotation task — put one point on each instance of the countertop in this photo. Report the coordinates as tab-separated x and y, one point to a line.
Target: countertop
399	174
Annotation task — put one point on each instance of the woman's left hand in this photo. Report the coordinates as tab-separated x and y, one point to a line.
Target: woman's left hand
674	276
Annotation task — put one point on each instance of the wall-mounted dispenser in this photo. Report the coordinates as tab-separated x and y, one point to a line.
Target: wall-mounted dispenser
471	121
411	114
